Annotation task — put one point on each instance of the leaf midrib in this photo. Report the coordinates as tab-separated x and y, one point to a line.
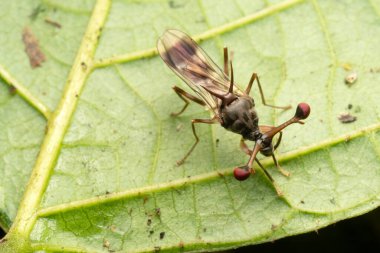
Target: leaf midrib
58	123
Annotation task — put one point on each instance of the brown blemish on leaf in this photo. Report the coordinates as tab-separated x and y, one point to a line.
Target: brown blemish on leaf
106	243
53	23
346	118
12	90
351	78
32	48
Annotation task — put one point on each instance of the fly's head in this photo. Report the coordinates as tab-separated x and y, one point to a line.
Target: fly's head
266	145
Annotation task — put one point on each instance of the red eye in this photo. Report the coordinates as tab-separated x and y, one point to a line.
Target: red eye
303	111
241	174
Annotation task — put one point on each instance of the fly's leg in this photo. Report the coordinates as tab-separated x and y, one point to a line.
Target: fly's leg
278	141
283	172
242	172
278	190
249	152
245	149
265	129
193	122
185	97
248	90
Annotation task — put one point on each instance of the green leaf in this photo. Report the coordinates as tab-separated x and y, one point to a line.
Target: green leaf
88	148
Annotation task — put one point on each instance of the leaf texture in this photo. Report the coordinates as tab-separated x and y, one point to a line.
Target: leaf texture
88	147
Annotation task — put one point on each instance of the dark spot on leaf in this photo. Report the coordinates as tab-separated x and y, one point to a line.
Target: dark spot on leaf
162	235
84	66
174	5
32	48
349	106
106	243
302	202
53	23
149	222
346	118
12	90
158	211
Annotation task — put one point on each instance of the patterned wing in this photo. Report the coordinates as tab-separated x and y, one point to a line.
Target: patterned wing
183	55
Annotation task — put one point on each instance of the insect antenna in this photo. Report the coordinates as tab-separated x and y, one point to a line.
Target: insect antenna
231	89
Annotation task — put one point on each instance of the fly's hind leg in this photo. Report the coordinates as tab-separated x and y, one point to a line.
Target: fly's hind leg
214	120
185	96
245	149
265	129
278	190
248	90
249	152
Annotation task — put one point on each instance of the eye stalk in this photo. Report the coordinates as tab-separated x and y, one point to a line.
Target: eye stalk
265	141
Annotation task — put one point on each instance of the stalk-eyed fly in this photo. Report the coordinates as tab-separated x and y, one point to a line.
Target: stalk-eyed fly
232	107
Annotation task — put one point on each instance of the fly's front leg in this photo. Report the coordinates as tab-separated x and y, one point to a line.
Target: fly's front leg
193	122
248	90
249	152
245	149
185	96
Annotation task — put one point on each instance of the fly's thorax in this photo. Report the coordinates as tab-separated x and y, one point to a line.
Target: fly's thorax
240	117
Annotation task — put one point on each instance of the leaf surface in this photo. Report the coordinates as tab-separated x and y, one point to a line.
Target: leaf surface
91	132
